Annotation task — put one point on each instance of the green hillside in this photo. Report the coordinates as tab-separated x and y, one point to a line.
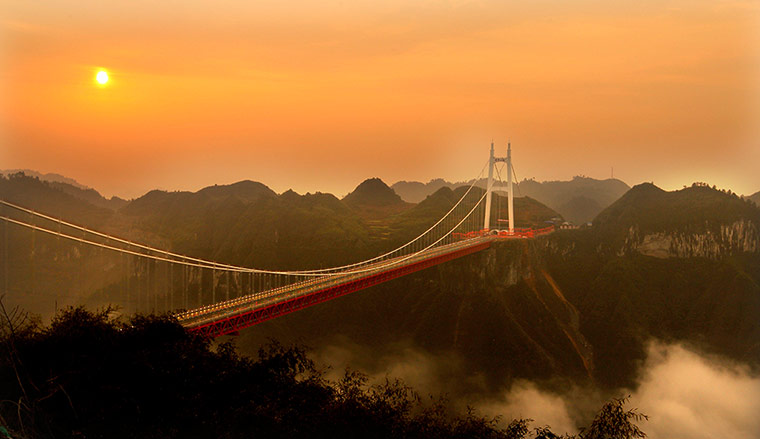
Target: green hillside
251	225
647	209
248	224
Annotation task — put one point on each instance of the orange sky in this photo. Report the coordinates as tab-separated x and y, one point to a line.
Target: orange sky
321	95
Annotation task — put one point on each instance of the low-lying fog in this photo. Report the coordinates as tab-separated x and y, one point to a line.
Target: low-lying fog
685	394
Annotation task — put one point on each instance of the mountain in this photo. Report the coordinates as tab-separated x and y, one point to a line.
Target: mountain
755	198
695	221
677	266
90	195
52	198
244	223
374	201
43	271
246	191
372	192
578	200
414	191
248	223
50	177
71	187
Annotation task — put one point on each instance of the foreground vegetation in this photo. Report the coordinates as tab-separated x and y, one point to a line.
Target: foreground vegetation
89	376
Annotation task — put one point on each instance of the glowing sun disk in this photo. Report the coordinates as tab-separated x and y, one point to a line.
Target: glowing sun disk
102	77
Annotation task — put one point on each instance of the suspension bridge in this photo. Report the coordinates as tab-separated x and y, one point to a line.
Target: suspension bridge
214	299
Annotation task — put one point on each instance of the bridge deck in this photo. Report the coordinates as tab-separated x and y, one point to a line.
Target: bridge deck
232	315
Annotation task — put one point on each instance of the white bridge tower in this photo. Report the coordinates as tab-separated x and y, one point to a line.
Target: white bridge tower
489	188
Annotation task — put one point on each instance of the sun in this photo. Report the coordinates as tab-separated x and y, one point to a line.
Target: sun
102	77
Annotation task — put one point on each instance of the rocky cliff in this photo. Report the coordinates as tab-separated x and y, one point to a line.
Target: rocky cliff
729	239
499	313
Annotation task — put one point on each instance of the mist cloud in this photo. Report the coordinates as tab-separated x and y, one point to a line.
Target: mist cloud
685	394
442	374
525	400
691	396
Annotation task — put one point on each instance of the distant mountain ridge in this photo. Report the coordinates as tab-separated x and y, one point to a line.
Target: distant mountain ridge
50	177
414	191
755	198
71	187
578	200
54	198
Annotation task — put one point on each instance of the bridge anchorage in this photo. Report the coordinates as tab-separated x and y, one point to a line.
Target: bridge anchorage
213	299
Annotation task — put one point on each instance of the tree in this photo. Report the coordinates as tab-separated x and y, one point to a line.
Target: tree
614	422
86	375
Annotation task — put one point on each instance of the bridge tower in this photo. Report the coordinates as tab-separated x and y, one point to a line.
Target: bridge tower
489	188
510	194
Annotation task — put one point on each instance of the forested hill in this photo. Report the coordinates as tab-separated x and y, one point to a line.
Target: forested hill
51	198
694	221
248	224
681	265
373	192
245	223
373	200
69	186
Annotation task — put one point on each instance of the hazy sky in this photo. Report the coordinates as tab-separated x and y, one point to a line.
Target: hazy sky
319	95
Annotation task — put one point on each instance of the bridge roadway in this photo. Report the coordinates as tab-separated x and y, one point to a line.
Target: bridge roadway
230	316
